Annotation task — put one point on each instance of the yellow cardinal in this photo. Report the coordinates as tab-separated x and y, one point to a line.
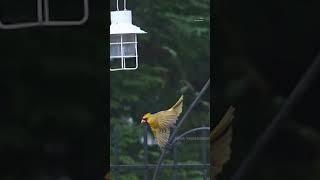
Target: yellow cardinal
161	122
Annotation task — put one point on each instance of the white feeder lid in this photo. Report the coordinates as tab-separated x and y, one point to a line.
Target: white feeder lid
121	23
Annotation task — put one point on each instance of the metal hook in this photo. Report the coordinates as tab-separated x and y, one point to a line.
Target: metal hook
117	5
124	5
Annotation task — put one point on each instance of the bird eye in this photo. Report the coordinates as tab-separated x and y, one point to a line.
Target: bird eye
144	118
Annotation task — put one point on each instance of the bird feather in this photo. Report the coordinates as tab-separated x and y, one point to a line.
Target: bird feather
221	138
161	122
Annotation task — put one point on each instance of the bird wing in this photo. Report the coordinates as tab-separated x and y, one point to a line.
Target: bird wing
166	119
221	152
221	138
162	137
177	107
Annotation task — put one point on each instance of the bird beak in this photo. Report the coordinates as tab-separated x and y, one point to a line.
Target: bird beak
143	120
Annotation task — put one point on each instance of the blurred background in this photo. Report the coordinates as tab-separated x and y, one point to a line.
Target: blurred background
53	94
174	59
261	50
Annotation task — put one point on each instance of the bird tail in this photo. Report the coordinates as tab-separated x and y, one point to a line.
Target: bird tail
178	106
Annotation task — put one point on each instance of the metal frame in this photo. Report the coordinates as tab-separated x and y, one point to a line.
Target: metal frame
43	17
123	57
145	167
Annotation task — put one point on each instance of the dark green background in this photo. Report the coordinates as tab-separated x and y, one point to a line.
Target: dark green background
174	54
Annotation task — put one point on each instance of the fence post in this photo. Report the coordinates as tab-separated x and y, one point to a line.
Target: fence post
204	152
174	162
116	174
145	152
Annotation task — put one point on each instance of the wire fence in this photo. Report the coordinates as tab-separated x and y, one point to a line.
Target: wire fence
146	167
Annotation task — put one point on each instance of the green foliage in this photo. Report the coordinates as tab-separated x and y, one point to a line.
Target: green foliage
176	49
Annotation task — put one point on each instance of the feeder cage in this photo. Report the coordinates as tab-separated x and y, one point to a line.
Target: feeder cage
123	41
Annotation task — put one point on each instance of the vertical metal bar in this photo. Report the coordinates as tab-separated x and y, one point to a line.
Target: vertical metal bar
117	5
116	174
46	11
174	162
124	4
204	152
121	50
39	11
136	46
145	153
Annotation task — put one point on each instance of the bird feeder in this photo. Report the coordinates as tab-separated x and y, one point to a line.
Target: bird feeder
123	41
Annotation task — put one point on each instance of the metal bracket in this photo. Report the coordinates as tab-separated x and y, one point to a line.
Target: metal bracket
44	17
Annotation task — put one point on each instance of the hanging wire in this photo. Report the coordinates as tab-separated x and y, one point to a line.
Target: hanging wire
124	5
195	101
117	5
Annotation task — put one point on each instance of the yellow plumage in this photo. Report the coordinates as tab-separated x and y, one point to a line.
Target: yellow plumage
161	122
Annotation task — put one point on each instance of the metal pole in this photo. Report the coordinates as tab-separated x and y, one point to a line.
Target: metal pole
174	162
204	153
40	11
145	153
296	95
116	176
